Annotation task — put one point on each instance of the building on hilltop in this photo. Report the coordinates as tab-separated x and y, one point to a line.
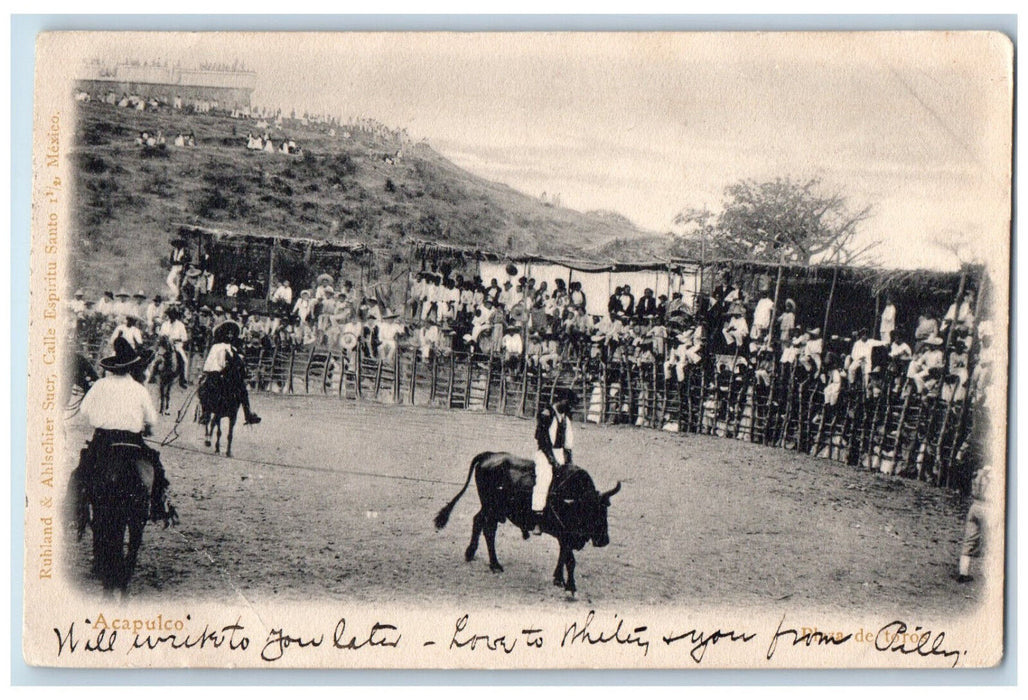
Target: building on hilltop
231	87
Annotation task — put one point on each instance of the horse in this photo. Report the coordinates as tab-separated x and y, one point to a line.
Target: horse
83	375
219	398
118	499
165	371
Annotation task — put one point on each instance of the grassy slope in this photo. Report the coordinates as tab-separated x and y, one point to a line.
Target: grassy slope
127	203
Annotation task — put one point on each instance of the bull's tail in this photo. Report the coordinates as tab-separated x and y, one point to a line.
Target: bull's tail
443	516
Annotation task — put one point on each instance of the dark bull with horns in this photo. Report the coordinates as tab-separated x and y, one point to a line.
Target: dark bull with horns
576	512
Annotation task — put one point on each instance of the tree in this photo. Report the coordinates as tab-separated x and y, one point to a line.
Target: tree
780	220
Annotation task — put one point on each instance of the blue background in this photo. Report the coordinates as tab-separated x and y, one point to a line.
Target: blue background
23	33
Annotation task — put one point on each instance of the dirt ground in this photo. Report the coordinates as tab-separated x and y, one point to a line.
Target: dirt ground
334	500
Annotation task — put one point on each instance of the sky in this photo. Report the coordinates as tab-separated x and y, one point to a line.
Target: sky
916	126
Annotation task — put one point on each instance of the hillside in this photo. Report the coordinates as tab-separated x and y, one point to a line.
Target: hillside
128	198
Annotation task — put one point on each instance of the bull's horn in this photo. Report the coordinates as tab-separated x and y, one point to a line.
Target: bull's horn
608	494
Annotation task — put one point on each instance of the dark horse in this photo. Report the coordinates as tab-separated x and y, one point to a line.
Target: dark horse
83	375
116	499
164	371
220	397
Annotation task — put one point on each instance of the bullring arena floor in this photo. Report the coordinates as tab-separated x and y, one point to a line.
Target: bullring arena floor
330	499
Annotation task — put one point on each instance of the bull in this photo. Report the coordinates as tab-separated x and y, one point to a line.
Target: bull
576	512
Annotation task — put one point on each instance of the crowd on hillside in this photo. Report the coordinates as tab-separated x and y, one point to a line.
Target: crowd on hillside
267	133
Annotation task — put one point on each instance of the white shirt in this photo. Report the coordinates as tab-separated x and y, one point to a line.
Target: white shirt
762	314
152	312
387	331
218	357
888	323
283	294
119	402
861	350
175	331
513	344
133	335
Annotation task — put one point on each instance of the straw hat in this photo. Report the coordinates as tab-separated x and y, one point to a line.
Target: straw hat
220	333
125	357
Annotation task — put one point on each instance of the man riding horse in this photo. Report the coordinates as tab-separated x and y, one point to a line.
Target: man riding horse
175	331
121	412
554	443
224	370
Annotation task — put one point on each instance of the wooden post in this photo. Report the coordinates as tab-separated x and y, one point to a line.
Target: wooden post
307	372
774	311
378	376
433	369
970	373
271	268
956	316
503	386
703	397
396	374
539	392
413	376
292	357
828	305
358	370
524	388
467	383
449	387
488	380
343	362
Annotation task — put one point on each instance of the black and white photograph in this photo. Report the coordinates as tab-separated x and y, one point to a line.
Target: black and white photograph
519	350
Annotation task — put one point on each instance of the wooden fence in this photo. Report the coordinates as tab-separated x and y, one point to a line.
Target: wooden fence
894	431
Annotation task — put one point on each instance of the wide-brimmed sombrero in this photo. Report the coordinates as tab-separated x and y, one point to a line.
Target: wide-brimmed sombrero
125	357
223	330
123	293
325	277
193	272
178	242
140	294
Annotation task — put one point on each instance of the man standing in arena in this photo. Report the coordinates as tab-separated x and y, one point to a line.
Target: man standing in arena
554	442
978	528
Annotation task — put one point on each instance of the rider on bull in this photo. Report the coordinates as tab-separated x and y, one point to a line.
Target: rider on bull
226	361
554	443
121	412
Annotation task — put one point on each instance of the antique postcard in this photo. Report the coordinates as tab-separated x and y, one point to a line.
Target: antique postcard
518	350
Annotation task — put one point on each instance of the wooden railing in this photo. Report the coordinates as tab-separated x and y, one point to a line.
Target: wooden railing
895	431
